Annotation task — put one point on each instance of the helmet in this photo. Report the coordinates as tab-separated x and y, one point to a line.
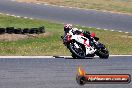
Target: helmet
93	34
67	27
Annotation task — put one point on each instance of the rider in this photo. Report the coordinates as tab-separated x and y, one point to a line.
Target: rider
68	28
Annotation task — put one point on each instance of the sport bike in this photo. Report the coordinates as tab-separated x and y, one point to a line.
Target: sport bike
79	50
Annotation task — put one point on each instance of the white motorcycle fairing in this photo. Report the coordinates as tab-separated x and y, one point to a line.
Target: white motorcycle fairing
83	40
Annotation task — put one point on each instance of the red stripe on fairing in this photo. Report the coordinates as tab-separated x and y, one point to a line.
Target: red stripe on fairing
86	43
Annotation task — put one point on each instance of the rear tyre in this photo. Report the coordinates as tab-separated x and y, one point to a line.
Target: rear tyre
103	53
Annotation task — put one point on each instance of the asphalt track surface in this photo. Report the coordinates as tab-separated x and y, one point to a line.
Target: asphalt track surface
91	18
59	72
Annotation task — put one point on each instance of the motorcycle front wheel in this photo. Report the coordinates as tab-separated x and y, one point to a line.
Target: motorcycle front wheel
77	52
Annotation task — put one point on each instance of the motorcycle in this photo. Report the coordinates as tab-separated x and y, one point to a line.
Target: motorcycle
79	50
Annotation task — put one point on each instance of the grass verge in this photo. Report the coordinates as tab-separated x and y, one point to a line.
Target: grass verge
51	44
124	6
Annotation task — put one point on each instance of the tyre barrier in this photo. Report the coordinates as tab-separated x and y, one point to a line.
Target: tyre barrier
33	30
11	30
18	31
42	29
25	31
2	30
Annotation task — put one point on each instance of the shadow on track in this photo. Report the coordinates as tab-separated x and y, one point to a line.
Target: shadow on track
72	58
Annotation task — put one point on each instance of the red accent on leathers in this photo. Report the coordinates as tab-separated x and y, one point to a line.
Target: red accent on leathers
68	37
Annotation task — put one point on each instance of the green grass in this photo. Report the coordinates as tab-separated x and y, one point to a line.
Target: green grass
52	44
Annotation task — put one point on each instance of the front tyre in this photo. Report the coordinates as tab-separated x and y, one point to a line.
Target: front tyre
74	56
76	52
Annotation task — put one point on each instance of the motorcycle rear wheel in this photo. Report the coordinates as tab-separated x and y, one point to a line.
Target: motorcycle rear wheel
103	53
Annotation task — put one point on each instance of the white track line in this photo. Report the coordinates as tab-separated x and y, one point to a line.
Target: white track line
70	7
126	32
112	30
119	31
18	16
53	5
13	15
31	18
13	0
105	29
25	17
89	27
97	56
98	28
26	57
30	57
38	3
8	14
61	6
46	4
120	55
